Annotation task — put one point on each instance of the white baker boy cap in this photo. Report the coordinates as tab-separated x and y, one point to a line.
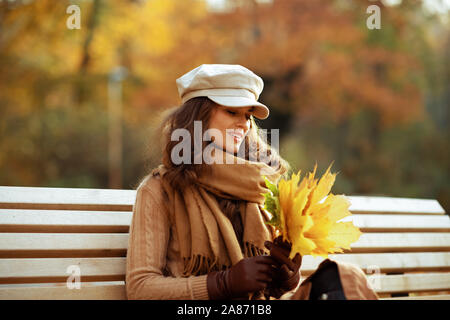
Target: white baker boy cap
228	85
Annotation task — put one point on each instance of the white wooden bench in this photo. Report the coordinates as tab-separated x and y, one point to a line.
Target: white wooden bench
405	247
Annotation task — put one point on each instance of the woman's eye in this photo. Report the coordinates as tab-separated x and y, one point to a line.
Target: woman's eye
247	116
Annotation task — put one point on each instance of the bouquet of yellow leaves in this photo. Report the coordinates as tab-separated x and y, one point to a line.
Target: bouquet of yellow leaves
307	214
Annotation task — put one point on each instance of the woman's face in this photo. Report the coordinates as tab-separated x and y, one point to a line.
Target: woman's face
233	124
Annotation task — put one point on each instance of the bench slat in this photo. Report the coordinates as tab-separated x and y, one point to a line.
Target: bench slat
66	198
404	283
19	220
363	204
382	284
46	245
400	223
435	297
401	242
113	269
386	262
55	269
86	292
27	245
110	199
413	282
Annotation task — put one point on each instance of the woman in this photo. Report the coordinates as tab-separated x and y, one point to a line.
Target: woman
198	228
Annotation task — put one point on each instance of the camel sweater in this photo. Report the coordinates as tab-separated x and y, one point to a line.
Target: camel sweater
154	264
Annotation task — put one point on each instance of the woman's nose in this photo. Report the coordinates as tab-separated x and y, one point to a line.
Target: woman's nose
244	122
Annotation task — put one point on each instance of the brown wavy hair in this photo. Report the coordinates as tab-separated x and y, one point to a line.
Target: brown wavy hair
182	175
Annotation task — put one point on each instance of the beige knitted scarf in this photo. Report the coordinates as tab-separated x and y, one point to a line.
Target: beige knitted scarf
206	236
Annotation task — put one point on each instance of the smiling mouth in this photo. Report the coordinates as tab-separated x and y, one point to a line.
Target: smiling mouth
237	136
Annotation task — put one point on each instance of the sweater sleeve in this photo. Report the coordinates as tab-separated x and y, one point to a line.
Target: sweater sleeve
147	252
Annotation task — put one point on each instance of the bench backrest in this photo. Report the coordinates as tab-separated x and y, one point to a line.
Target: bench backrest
47	235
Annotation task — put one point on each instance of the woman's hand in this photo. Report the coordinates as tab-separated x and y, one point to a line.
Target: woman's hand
248	275
287	273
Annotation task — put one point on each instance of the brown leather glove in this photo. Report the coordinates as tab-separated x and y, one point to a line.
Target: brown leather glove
248	275
287	274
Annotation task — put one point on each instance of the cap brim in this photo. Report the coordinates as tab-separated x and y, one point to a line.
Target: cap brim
260	112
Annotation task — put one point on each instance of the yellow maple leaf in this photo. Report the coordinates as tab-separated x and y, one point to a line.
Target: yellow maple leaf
309	215
344	234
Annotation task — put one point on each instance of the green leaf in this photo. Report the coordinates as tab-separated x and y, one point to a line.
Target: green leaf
272	204
272	187
269	203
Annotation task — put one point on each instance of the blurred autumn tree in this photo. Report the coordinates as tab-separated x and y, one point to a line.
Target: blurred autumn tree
374	101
